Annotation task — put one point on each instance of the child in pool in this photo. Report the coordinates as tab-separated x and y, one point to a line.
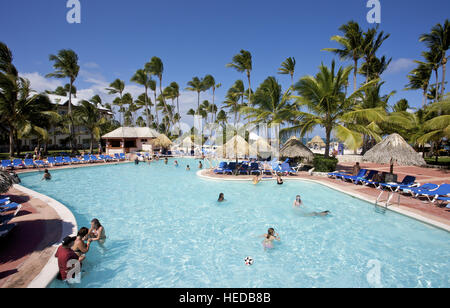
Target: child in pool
269	238
299	204
97	232
221	198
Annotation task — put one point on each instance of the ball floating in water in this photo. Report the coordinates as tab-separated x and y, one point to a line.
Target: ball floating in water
248	261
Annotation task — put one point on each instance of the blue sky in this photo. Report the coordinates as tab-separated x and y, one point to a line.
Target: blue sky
199	37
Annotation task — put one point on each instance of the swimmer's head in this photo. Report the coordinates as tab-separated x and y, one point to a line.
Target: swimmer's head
221	197
95	223
83	232
298	198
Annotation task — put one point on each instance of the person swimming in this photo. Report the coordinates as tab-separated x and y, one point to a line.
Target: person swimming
221	198
269	238
175	163
256	179
96	232
47	176
166	161
279	180
200	165
188	168
299	204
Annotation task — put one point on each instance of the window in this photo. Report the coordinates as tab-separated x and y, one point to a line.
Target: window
115	143
130	143
143	140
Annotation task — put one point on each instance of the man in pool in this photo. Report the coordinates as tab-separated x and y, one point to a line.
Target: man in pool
200	165
47	176
299	204
279	180
188	168
64	255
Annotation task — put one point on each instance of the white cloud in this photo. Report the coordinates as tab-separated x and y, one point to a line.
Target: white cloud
400	65
91	65
39	83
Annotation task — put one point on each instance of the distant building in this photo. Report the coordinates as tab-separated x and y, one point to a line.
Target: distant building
130	139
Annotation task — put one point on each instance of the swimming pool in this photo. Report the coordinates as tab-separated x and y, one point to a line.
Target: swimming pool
165	229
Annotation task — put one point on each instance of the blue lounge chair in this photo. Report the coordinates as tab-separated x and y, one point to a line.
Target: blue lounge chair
243	169
18	163
6	229
94	158
76	161
117	156
231	167
433	194
4	200
4	219
360	174
67	160
365	179
122	156
407	182
110	158
254	168
9	207
40	163
29	163
221	169
443	201
86	159
52	161
6	164
286	168
415	190
60	160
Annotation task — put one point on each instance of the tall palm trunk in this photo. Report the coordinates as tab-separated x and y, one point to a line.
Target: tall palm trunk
327	142
355	71
249	89
146	107
437	84
11	141
444	69
71	130
156	111
91	148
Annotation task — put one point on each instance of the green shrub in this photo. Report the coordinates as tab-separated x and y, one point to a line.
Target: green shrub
322	164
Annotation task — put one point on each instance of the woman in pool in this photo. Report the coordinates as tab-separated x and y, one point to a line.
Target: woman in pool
97	232
221	198
279	180
269	238
80	247
47	176
256	179
175	163
299	204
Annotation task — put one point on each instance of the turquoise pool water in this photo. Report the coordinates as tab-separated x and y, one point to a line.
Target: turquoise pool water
165	229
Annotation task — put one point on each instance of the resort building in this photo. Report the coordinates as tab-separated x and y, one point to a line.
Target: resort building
130	139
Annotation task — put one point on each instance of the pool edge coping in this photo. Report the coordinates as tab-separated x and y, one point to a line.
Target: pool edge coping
392	208
50	269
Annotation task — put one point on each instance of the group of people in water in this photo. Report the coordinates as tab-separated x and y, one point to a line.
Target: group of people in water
271	235
76	247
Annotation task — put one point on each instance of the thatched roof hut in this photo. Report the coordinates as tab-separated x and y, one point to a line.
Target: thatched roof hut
162	141
261	148
317	142
396	148
6	181
294	148
235	147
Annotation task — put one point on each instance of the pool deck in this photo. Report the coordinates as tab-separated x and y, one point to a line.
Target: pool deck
26	255
414	208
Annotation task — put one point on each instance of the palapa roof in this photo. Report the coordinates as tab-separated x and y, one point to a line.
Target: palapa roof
317	140
162	141
394	146
294	148
132	132
236	146
6	181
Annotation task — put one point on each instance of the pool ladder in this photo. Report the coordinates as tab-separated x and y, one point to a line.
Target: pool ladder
388	200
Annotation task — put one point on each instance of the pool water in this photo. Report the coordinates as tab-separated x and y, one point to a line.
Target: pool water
165	229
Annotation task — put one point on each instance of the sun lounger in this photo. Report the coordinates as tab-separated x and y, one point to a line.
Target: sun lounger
52	161
4	200
76	161
6	164
67	160
254	168
433	194
4	219
360	174
286	168
243	169
367	178
40	163
221	169
6	229
86	159
94	158
414	190
29	163
230	168
442	201
407	182
122	156
9	207
18	163
60	160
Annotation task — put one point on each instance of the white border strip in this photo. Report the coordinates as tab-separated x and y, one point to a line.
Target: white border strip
50	270
403	212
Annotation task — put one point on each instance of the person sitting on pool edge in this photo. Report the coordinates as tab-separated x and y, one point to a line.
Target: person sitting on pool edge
80	247
96	232
269	238
298	203
221	198
64	255
256	179
47	176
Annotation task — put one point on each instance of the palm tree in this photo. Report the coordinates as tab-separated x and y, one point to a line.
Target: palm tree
419	78
288	68
196	85
97	100
222	117
211	84
372	41
324	97
88	116
242	62
156	67
439	39
6	59
117	87
142	77
152	86
433	59
176	93
351	45
66	66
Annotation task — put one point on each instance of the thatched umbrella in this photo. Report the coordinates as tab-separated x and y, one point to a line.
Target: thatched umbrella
317	141
235	147
162	141
262	148
294	148
394	148
6	181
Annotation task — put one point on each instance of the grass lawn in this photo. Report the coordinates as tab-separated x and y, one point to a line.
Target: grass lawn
442	161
